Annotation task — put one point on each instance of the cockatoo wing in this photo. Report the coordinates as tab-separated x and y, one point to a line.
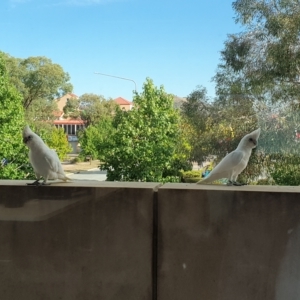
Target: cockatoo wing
52	161
229	162
225	167
54	164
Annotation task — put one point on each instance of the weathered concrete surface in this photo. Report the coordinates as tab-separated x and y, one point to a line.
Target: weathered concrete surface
228	243
80	240
97	240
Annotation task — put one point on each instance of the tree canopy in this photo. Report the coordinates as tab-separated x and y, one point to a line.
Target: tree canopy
144	142
95	107
13	154
265	58
95	139
37	78
71	109
259	76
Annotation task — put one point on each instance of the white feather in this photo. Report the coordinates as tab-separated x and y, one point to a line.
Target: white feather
234	162
44	160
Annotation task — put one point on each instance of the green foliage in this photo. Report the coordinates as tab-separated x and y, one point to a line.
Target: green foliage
41	110
37	78
279	146
276	159
265	58
287	174
260	72
143	145
94	108
264	181
13	154
96	138
191	176
182	155
222	131
58	141
71	109
195	114
77	159
196	108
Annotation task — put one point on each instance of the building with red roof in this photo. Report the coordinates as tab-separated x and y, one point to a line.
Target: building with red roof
124	104
71	126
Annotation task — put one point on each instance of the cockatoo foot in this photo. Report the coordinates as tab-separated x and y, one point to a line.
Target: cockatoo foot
36	183
45	183
235	183
238	183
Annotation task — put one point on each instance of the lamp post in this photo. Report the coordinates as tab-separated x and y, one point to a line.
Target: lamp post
97	73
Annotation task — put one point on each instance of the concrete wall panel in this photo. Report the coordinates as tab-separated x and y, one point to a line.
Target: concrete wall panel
228	243
76	241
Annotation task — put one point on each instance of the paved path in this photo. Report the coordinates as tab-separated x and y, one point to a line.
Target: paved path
92	174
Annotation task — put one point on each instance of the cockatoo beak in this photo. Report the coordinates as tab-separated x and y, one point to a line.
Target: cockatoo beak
256	133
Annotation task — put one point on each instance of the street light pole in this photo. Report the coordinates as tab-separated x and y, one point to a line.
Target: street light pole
117	77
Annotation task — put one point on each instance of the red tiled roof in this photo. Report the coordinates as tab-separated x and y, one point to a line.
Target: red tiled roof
68	122
68	94
73	95
122	101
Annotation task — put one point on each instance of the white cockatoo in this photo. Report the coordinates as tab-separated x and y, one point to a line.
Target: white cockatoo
234	162
44	160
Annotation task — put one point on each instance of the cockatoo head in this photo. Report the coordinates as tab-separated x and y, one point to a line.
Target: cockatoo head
28	136
250	140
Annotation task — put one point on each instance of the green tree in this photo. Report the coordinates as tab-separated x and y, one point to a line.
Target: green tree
223	124
58	141
95	107
260	69
196	112
41	110
95	139
279	145
181	160
71	109
266	56
37	78
13	154
196	107
145	138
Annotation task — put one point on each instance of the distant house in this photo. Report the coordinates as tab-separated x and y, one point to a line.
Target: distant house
127	105
62	101
70	126
124	104
178	101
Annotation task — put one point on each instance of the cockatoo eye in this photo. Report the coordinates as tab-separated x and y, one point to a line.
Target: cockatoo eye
252	140
27	138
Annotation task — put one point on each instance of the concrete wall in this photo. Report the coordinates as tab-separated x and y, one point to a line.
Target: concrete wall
224	243
114	241
76	242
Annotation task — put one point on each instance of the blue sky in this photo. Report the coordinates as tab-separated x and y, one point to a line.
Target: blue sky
176	43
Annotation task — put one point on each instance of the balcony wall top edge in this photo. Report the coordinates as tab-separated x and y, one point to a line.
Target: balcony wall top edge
219	187
156	185
84	183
